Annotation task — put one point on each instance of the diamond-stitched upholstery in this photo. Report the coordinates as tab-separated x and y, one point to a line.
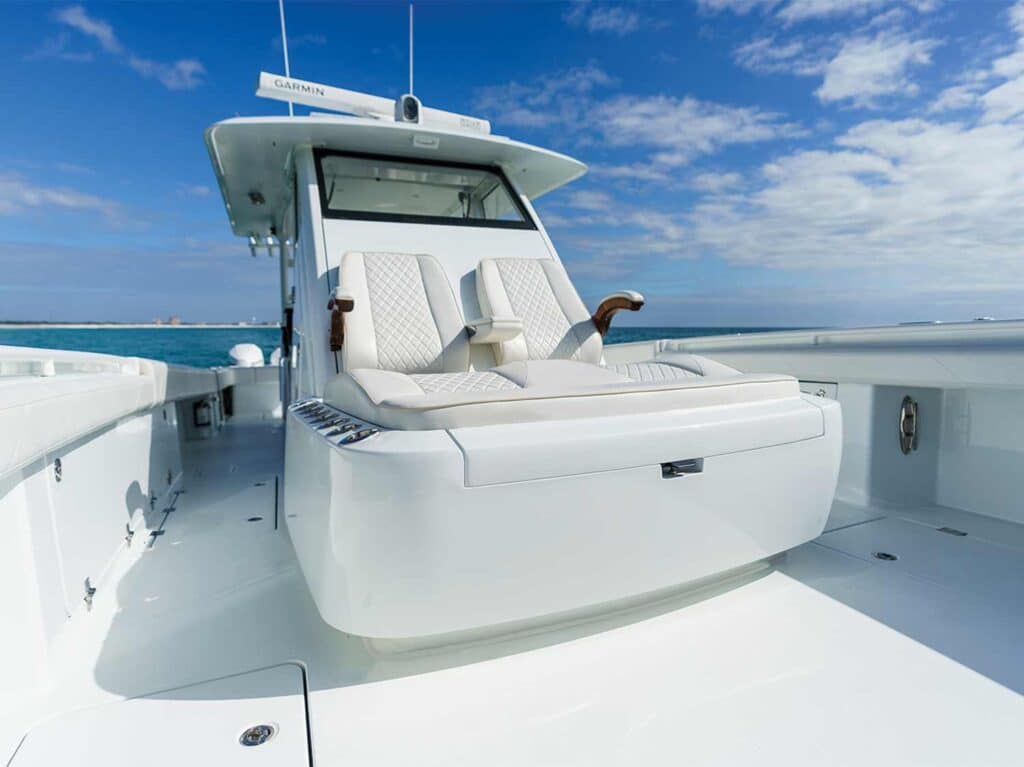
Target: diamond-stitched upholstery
546	330
652	371
407	336
473	381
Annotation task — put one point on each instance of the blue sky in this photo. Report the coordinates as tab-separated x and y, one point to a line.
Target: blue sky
753	162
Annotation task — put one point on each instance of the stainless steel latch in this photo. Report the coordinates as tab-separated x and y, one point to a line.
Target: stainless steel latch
682	468
908	425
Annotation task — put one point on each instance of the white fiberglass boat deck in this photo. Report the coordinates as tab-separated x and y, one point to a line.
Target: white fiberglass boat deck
831	657
448	524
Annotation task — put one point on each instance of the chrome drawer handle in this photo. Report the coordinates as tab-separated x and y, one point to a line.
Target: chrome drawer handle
681	468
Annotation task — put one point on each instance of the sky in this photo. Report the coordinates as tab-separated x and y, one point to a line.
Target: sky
752	162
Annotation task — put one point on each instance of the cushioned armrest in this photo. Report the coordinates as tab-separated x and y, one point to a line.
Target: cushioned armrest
493	330
624	299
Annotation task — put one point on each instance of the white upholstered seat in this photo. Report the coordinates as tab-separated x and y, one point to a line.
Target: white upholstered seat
406	353
404	316
556	324
549	390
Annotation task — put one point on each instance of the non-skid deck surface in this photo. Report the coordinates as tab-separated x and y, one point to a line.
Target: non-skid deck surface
834	658
962	595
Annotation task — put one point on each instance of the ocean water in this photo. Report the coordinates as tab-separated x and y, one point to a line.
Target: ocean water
205	347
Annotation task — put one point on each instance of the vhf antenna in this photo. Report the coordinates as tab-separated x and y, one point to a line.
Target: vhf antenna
410	49
284	46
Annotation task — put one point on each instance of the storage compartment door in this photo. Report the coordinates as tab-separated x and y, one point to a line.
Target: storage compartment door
201	724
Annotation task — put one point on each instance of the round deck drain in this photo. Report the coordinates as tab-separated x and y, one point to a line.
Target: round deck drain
885	556
257	736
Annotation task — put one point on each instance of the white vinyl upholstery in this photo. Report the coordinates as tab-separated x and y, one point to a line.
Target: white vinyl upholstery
556	324
540	390
404	315
669	366
472	381
647	372
407	361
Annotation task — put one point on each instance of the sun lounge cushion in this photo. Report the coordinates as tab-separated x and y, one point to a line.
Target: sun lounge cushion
536	390
669	366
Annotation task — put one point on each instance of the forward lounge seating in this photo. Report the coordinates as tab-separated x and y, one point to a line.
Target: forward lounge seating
543	485
406	353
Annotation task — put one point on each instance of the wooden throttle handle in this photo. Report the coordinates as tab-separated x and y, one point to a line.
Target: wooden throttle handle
603	316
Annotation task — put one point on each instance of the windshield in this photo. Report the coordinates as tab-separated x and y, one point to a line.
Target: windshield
387	189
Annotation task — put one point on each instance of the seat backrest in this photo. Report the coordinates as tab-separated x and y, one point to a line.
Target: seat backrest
404	316
556	324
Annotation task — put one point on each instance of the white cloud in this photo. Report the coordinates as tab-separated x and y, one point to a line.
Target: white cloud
802	10
868	68
997	89
936	202
739	7
766	55
57	48
76	18
672	130
793	11
183	74
632	172
71	167
552	99
715	182
586	199
17	195
602	17
1004	101
197	190
954	98
683	128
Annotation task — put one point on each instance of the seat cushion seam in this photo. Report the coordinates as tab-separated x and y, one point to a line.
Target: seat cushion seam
433	314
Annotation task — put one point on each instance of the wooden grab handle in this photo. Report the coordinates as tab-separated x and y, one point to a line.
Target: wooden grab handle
602	318
338	306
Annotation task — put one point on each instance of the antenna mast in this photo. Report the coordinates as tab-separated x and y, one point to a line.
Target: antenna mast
284	46
410	49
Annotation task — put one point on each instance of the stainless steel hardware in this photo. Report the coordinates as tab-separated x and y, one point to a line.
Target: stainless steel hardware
340	428
58	470
358	436
908	425
345	430
256	736
681	468
90	591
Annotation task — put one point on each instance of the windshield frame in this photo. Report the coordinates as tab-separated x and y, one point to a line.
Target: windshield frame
319	153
